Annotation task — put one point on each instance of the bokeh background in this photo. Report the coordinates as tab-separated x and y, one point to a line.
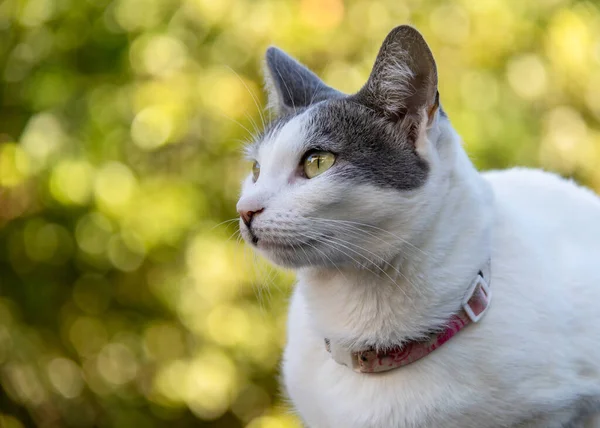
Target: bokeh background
126	299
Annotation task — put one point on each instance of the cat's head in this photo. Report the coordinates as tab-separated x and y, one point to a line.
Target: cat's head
347	179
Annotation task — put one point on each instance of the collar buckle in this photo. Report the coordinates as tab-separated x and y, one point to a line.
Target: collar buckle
477	299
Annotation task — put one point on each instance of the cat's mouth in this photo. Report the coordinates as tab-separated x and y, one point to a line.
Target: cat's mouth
253	237
292	249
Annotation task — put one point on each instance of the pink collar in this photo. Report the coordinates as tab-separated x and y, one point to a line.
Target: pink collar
474	305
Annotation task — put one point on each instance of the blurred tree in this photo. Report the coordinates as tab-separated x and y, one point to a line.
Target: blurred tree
125	299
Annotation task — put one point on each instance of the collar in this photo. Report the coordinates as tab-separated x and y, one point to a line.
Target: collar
474	305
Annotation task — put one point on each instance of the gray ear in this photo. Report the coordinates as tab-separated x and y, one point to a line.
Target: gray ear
404	77
290	85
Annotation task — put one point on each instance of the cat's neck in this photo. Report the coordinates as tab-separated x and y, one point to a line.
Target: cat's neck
419	289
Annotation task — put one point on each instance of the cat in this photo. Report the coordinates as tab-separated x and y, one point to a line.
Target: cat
428	294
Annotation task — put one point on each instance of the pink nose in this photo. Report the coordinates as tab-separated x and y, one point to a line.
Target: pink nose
248	215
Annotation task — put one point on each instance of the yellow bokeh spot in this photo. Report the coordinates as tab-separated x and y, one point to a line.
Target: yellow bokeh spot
450	23
212	260
569	42
479	90
163	55
87	335
14	165
24	383
36	12
373	20
224	93
349	77
208	11
565	131
151	128
71	182
114	186
126	252
229	325
132	15
527	76
46	241
164	341
43	136
65	377
8	421
167	383
164	210
275	421
93	231
324	14
211	384
117	364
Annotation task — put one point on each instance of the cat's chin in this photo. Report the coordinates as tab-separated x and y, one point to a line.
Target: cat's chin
293	257
288	257
298	254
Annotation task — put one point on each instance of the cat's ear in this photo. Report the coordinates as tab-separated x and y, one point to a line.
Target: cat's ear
290	85
404	77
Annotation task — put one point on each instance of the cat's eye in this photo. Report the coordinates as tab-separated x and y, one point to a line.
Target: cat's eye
255	170
316	163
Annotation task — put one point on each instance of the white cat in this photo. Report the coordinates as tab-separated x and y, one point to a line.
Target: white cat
396	237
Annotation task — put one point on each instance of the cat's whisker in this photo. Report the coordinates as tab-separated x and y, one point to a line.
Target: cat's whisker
267	274
256	279
321	240
235	232
260	286
340	240
227	222
324	254
375	228
385	262
251	94
358	226
306	255
253	122
272	283
369	262
245	128
359	233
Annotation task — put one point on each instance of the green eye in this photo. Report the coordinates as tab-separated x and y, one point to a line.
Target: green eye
317	163
255	170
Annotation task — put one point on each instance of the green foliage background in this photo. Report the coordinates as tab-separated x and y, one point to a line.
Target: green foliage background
125	299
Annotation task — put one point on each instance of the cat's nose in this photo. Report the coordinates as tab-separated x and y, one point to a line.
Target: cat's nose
248	215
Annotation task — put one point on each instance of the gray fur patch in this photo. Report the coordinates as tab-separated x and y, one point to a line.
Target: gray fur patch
369	148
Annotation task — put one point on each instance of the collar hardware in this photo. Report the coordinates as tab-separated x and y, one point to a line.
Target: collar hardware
477	300
474	305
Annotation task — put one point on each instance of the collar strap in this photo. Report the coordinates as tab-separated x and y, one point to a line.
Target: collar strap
474	305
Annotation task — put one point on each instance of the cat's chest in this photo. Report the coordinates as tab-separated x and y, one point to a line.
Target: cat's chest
329	395
493	366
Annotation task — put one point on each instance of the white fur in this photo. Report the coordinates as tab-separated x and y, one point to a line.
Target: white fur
532	361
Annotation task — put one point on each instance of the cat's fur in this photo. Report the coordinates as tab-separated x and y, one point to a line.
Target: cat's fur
386	242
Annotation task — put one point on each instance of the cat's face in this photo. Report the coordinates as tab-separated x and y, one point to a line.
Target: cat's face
344	179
